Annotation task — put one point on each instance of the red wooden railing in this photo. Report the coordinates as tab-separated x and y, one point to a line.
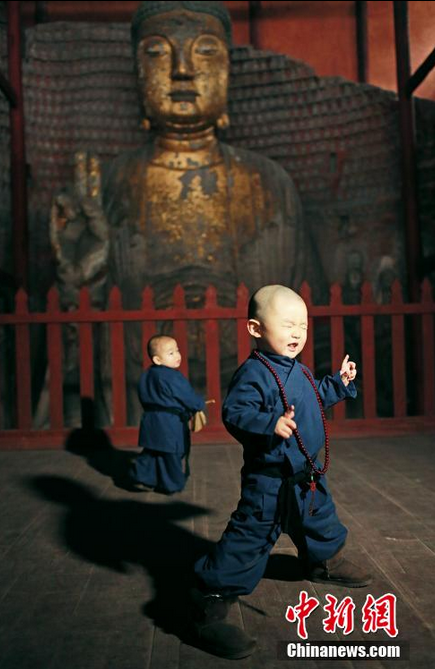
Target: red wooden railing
23	435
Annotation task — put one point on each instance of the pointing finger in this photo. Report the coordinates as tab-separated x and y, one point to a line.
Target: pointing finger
81	173
94	179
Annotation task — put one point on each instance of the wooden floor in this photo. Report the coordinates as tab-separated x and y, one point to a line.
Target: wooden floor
94	577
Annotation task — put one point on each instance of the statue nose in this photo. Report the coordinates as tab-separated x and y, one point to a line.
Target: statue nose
182	67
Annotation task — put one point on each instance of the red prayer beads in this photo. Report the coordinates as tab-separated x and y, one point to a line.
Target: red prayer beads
298	437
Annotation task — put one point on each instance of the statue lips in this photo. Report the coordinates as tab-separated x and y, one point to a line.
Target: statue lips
183	96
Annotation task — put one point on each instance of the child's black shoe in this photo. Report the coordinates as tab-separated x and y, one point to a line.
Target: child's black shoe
212	634
338	570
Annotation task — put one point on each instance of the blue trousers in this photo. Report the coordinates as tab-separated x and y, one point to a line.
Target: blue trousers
163	471
238	561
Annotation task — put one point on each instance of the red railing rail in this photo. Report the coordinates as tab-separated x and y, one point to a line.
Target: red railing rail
22	433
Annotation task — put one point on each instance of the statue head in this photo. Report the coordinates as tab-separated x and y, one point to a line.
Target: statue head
182	55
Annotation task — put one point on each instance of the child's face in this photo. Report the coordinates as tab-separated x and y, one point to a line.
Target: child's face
168	353
284	327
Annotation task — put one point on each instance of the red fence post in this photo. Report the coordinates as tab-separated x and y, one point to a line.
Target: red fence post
243	342
368	354
54	356
117	359
22	357
180	330
86	347
148	327
399	357
428	350
212	346
337	344
307	355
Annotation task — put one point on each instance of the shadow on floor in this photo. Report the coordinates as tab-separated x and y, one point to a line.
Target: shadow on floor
284	568
116	534
94	446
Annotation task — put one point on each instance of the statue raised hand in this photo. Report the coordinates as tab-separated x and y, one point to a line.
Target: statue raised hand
79	234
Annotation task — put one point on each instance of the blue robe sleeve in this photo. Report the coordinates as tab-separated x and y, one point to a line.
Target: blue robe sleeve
141	389
332	390
169	388
185	394
244	409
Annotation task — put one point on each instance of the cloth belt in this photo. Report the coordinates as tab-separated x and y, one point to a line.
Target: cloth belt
286	495
283	472
181	413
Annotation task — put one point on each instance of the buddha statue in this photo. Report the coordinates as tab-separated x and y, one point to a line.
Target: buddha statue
185	207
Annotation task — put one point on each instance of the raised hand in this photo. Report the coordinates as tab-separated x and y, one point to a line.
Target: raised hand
79	232
285	425
348	370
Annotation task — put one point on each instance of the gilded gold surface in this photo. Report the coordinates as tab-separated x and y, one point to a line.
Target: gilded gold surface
94	178
81	173
183	69
190	212
199	213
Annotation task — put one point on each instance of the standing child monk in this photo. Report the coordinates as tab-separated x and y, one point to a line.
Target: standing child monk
275	409
168	401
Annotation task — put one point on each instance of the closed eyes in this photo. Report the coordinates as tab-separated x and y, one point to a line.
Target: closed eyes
303	326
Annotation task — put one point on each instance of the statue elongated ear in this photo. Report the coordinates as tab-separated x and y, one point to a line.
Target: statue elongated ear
254	328
223	121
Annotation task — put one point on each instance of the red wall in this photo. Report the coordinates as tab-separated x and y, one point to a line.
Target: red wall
323	34
382	63
319	33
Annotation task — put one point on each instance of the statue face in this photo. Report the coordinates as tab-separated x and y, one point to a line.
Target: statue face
183	67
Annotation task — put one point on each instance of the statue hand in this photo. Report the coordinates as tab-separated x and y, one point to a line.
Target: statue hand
79	231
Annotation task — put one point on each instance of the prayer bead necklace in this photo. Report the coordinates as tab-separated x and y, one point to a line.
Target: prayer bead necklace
314	469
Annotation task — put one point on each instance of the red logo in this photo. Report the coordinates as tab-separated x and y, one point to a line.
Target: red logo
377	614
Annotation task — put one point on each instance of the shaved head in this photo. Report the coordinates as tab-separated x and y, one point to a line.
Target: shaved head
163	350
155	342
278	319
267	296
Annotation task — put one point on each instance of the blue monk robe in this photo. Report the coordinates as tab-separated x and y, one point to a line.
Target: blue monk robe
250	413
168	401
